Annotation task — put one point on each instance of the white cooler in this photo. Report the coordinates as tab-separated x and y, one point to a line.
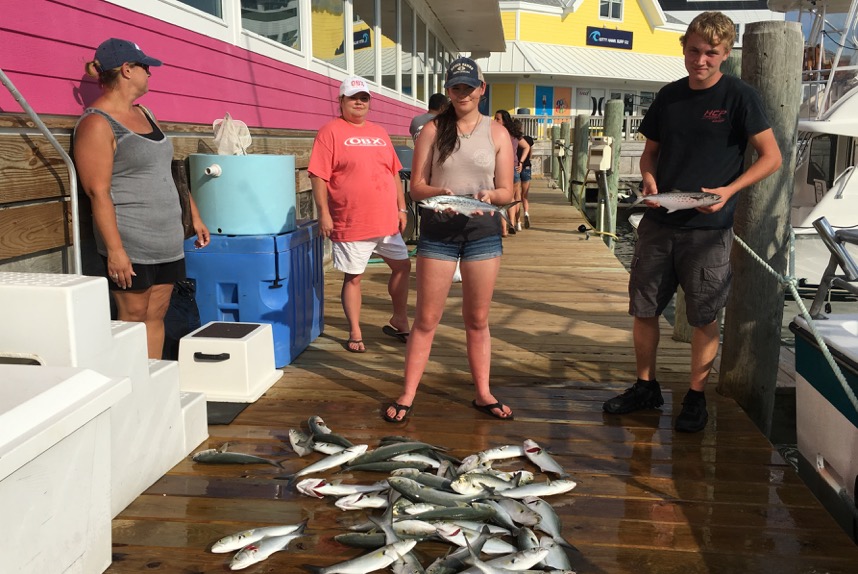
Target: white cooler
229	362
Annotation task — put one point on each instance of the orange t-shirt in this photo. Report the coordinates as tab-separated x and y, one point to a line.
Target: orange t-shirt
360	167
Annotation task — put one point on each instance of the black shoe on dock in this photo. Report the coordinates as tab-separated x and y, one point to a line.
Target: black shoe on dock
693	417
641	395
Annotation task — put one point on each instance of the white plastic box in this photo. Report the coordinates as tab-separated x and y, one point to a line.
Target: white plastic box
55	476
229	362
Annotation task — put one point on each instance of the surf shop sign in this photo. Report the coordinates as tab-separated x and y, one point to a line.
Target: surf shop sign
607	38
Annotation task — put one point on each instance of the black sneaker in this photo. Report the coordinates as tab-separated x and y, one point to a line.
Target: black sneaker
641	395
526	221
511	230
693	417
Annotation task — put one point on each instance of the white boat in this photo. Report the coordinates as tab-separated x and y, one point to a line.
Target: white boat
825	184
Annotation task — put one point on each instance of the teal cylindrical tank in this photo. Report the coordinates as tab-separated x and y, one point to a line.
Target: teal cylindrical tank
244	194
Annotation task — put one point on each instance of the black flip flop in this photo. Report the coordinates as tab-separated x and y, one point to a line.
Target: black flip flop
489	410
355	342
398	408
392	331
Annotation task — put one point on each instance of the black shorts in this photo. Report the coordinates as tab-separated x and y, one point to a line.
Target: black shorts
149	275
696	259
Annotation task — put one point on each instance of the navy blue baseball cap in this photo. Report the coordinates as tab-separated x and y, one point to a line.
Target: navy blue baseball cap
464	71
114	52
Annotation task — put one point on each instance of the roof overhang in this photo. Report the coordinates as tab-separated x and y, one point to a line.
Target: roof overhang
472	25
535	59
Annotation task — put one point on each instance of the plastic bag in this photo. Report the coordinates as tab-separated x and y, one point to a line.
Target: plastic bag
231	136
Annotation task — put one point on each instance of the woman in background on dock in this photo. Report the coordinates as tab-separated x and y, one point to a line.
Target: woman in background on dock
124	161
354	172
519	147
524	155
461	152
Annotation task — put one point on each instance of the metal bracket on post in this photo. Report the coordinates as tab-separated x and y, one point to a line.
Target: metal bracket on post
599	160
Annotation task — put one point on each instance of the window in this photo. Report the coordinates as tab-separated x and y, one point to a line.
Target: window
329	32
821	161
407	27
388	44
611	9
364	38
212	7
422	59
277	20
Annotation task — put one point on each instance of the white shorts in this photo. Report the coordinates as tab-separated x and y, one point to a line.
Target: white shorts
352	257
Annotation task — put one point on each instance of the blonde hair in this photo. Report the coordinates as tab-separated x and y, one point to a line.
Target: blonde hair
107	78
714	27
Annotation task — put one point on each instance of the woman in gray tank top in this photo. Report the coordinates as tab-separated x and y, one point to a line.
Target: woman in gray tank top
461	152
123	160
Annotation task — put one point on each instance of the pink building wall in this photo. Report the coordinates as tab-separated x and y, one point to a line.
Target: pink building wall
44	45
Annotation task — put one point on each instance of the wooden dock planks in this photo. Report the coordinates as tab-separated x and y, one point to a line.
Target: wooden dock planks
648	500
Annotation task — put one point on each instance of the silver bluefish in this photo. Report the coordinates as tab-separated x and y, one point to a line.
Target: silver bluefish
260	550
465	205
222	456
370	562
245	537
676	200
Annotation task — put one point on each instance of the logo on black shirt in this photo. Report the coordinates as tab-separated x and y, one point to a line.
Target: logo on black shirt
715	116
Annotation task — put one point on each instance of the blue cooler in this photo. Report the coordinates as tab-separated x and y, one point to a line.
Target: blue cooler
276	279
244	194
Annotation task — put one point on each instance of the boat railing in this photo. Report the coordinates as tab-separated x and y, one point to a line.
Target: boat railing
841	181
538	126
830	69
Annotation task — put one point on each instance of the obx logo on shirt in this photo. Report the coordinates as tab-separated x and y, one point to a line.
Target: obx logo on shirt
365	142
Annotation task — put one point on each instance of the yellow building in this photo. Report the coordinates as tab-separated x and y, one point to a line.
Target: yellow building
565	61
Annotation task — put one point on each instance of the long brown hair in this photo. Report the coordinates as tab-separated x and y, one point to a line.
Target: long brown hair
447	136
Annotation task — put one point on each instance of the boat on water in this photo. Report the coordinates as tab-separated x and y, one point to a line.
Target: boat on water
824	217
827	145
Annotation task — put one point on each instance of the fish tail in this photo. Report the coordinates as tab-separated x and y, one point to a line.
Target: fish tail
563	542
503	209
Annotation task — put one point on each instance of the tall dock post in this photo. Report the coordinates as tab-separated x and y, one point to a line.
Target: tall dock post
555	161
579	161
614	130
566	158
771	62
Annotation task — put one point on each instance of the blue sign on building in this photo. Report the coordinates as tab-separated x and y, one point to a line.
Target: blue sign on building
607	38
362	39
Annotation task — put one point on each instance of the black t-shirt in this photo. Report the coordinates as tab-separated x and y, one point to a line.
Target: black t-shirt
526	163
702	137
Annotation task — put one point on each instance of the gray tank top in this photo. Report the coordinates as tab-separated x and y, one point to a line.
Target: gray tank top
144	194
469	169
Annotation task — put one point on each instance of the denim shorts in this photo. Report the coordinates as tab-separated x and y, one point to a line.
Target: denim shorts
525	174
477	250
516	176
696	259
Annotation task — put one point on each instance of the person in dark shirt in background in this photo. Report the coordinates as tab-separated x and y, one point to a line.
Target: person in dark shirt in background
437	103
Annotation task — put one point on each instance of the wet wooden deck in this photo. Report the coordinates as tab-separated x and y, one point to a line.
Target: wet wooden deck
648	500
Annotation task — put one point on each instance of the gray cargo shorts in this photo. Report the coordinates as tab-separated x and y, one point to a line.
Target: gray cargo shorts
696	259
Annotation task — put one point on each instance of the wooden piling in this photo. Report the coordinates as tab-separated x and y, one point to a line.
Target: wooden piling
579	162
771	62
614	130
555	161
566	160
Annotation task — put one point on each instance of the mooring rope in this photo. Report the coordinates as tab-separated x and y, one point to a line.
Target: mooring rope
792	284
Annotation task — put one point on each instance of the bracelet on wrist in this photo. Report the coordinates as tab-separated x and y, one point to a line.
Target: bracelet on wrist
403	211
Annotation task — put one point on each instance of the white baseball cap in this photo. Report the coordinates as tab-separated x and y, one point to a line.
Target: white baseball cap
354	85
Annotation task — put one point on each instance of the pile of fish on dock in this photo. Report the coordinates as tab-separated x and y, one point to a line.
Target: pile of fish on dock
428	496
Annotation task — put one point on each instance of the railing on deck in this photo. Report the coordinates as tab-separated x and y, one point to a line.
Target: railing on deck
537	126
